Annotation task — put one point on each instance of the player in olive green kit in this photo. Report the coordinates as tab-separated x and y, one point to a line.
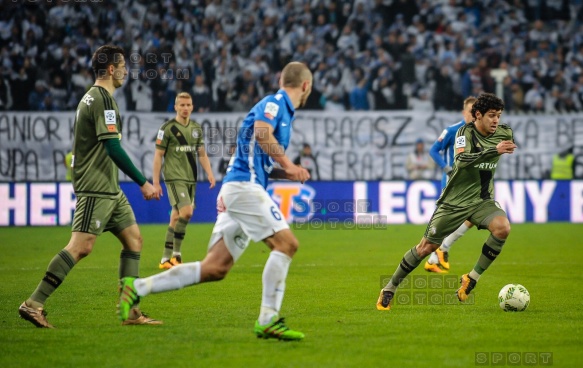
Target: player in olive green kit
101	205
469	194
176	143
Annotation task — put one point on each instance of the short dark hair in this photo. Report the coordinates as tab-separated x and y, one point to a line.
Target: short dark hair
105	56
487	102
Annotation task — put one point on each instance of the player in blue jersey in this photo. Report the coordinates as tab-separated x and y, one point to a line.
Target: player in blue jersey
442	154
246	211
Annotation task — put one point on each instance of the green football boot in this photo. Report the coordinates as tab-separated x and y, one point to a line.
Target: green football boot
277	329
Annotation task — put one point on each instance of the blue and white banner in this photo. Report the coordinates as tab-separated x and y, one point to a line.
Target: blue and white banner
376	202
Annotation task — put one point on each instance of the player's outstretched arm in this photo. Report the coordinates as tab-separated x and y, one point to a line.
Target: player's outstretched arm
119	156
269	144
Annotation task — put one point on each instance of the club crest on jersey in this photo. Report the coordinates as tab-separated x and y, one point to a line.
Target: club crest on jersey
195	134
271	110
460	142
110	117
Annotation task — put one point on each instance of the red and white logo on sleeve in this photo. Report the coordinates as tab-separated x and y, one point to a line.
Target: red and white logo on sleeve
271	110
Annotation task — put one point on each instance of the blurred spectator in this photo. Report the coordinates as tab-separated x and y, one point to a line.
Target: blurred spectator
534	98
36	98
563	165
334	94
307	160
243	103
444	98
445	47
5	93
419	163
59	94
421	101
82	80
201	96
158	86
359	94
22	83
383	88
141	95
48	104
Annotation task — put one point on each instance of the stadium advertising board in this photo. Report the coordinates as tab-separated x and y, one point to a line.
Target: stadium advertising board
353	146
312	204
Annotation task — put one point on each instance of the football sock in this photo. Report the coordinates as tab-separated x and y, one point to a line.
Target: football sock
409	262
433	259
274	275
168	245
177	277
179	231
474	275
56	272
129	264
490	251
451	238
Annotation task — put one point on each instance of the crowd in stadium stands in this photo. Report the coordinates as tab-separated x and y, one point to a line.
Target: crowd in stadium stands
365	54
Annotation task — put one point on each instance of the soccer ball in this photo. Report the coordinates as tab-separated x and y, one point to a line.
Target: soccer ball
513	298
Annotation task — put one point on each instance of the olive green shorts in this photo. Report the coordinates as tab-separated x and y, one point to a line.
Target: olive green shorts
95	215
446	219
181	194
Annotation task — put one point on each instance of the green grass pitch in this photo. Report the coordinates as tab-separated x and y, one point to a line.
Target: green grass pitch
332	289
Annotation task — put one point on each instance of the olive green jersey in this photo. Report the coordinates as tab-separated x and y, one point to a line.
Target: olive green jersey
181	144
476	158
97	119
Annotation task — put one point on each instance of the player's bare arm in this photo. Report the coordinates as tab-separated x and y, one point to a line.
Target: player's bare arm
157	167
268	143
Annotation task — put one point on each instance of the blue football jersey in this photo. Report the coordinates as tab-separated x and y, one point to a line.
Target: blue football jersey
442	150
250	162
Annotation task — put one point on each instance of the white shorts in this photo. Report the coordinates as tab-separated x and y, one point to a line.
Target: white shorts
245	212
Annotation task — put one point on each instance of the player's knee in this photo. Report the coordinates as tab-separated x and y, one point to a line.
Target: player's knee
187	216
81	250
500	227
186	212
289	246
292	246
424	248
137	242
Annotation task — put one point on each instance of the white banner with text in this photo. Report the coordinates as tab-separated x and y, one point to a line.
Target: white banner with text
347	146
